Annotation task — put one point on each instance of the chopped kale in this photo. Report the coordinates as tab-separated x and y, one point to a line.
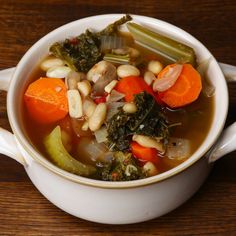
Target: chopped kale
82	52
123	168
113	28
148	120
118	132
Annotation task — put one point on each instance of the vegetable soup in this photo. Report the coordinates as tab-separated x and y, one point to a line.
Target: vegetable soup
103	106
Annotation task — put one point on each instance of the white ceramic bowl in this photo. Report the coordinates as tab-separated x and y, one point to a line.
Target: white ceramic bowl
113	202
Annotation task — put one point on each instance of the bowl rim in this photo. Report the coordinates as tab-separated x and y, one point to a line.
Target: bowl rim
99	183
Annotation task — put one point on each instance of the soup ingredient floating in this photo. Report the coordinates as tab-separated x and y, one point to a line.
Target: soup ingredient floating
46	100
62	158
185	89
167	47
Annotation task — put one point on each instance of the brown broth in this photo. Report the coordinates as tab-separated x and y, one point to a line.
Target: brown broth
195	120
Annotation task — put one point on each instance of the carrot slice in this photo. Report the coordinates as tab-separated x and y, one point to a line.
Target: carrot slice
185	90
132	85
145	154
46	100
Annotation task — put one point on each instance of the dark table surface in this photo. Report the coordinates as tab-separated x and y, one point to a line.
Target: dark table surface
24	211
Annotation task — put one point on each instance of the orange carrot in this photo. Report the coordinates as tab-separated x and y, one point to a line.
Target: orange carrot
46	100
132	85
145	154
185	90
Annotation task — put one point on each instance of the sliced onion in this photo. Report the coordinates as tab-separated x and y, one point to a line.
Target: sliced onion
90	149
203	66
178	148
107	157
207	88
115	96
112	109
168	80
101	135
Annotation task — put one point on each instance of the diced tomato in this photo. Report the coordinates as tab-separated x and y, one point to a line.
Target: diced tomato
101	99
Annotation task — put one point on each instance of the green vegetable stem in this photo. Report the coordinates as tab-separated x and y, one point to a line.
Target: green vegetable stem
62	158
167	47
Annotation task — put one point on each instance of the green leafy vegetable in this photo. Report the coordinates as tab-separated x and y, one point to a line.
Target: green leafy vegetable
123	168
82	52
148	120
113	28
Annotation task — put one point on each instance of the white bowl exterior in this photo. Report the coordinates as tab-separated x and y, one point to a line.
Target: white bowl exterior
118	206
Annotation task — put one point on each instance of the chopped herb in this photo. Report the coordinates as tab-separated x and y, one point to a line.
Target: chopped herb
123	168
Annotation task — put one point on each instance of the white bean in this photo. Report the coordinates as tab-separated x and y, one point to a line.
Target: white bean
130	108
58	72
98	117
127	70
51	62
150	168
84	87
149	77
102	69
74	103
155	67
73	78
149	142
110	86
89	107
85	126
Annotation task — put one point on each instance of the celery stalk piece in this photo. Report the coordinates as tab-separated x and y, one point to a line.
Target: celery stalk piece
168	47
119	59
62	158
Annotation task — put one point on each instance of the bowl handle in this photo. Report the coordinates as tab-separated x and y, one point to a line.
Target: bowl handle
227	141
8	143
225	144
229	72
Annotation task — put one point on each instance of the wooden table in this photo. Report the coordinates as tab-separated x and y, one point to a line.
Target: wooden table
24	211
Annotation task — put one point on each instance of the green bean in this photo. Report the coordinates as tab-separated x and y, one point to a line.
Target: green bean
170	49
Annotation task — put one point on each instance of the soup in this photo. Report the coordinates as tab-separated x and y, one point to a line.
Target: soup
102	106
